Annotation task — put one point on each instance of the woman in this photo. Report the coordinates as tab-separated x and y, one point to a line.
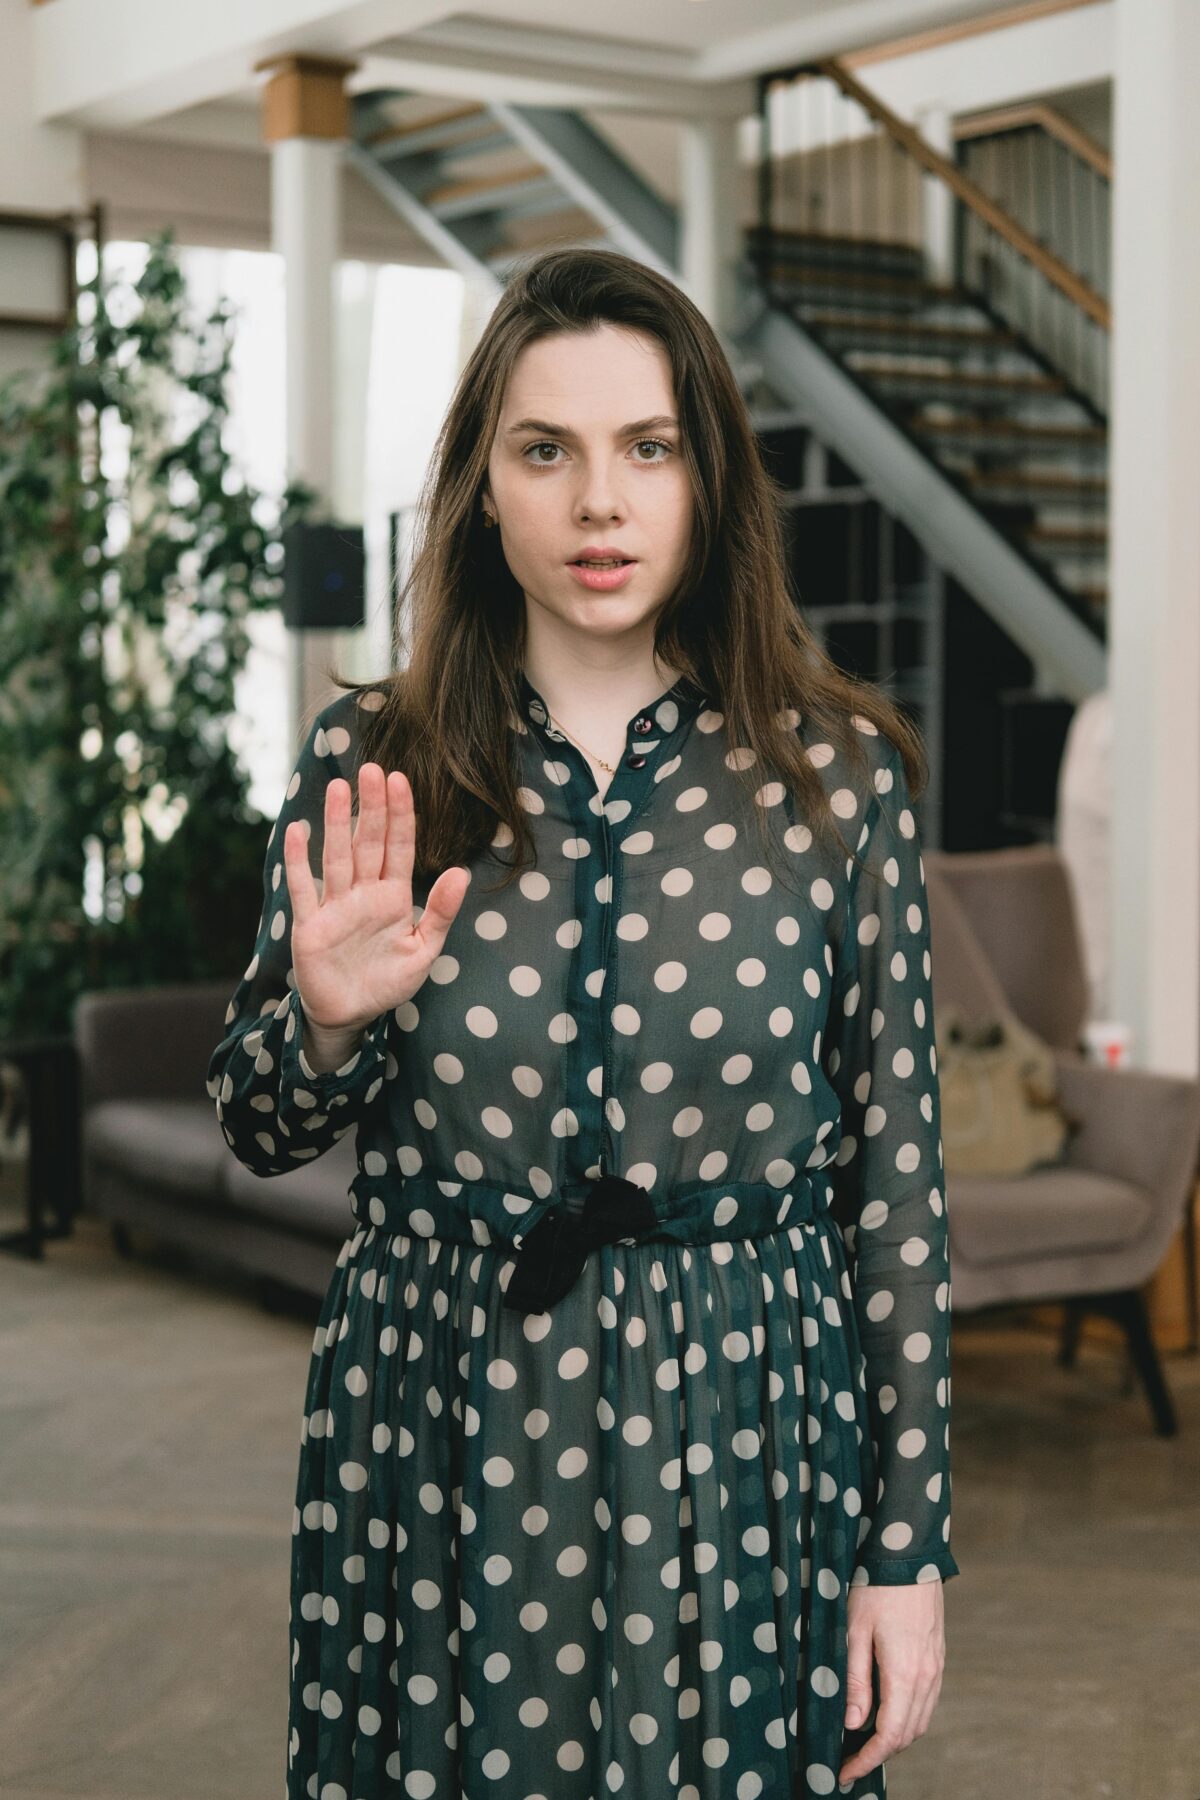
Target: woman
624	1459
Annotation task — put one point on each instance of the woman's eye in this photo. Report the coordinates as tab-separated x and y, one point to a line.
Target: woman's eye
530	451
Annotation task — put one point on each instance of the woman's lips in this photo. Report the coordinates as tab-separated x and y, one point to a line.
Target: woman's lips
601	580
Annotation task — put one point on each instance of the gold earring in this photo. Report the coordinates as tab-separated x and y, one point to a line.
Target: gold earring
488	518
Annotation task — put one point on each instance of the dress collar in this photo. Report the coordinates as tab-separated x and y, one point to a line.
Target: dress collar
685	696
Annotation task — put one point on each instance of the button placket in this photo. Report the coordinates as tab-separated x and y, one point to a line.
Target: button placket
647	735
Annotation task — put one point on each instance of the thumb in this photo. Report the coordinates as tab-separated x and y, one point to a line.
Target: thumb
442	903
859	1692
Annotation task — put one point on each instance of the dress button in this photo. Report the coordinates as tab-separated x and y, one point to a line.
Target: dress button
635	762
643	723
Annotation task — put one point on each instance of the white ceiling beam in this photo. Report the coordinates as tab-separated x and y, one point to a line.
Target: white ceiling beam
485	74
128	61
591	53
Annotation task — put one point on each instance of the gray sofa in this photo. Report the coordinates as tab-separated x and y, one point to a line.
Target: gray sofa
154	1157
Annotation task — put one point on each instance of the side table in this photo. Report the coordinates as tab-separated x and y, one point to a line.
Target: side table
50	1069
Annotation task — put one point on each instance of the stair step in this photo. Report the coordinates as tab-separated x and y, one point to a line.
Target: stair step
525	191
1068	539
1031	486
1001	382
899	332
442	149
465	128
826	287
823	250
998	435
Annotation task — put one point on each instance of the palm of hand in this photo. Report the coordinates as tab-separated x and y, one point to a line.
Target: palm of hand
356	951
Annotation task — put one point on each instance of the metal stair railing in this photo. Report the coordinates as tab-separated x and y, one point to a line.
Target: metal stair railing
863	172
854	243
1056	182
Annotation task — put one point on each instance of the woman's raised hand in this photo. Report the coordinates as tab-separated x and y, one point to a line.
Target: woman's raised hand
355	950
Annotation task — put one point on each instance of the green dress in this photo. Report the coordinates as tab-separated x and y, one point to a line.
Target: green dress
603	1545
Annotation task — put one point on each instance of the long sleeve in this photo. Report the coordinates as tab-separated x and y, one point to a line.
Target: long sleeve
275	1110
889	1184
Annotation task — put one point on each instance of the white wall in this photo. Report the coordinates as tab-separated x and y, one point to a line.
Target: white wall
39	164
1019	62
220	195
1154	630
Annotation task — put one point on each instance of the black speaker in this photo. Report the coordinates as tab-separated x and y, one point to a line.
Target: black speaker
323	568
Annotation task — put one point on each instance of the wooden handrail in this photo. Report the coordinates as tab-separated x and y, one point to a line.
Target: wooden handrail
973	197
1017	118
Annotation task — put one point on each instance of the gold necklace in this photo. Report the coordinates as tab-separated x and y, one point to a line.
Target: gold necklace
607	767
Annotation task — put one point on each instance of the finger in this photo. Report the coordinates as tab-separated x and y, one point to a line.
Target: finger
895	1702
298	872
441	907
918	1720
928	1699
895	1697
859	1693
370	828
401	842
924	1687
338	858
867	1757
916	1703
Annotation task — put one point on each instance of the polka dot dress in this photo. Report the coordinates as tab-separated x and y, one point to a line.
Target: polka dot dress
604	1547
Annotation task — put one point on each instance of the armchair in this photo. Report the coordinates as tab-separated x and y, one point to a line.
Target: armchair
1091	1231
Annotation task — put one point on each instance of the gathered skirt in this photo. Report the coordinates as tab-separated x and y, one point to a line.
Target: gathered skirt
598	1550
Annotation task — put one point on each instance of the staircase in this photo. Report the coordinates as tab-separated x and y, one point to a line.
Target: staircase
903	412
976	398
546	175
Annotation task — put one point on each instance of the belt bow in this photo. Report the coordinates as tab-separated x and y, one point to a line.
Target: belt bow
552	1255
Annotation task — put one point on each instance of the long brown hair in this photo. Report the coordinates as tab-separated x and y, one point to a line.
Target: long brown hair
732	623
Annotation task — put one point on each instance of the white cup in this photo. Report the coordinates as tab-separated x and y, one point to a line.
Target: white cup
1108	1041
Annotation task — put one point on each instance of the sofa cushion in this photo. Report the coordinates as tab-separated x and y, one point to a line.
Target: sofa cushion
313	1198
1048	1212
161	1143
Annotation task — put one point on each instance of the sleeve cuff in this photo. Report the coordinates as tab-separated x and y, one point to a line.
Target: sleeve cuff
326	1087
907	1571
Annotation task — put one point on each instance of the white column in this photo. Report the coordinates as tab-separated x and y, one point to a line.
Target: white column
1154	633
305	232
304	114
355	288
934	122
710	216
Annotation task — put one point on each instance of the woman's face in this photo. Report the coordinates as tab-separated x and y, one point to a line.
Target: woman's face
587	456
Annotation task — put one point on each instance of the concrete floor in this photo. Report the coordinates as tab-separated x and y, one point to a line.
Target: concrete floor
149	1425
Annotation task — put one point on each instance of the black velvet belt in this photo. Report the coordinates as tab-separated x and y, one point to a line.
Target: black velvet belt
552	1255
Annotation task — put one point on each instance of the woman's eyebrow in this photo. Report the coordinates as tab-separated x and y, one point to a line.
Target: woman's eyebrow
660	422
